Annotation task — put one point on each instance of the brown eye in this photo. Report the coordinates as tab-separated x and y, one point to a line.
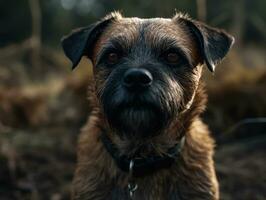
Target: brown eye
172	57
112	58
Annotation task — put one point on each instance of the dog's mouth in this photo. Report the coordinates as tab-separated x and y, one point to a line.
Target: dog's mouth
137	104
138	121
138	112
136	117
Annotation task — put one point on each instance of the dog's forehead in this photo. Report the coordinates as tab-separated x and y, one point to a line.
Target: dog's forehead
151	29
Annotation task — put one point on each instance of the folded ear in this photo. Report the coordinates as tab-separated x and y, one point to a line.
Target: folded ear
80	41
213	43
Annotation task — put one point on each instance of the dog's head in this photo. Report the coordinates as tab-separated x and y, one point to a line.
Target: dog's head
146	70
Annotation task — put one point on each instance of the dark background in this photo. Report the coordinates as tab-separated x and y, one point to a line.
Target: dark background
43	103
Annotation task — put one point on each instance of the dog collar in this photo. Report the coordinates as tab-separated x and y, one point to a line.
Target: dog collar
142	166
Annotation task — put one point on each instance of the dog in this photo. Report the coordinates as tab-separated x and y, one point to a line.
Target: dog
144	138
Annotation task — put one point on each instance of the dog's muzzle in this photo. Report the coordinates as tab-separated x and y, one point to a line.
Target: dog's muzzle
135	104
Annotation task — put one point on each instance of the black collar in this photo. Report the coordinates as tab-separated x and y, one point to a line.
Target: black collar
142	166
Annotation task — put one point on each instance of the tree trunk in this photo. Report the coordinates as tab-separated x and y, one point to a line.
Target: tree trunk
36	35
202	10
238	25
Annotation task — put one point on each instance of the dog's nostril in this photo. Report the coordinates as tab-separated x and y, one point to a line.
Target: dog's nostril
137	77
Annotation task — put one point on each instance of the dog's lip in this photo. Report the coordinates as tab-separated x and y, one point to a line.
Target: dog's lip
137	106
142	101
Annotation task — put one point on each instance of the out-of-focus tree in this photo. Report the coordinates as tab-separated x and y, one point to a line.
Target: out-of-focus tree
245	18
201	10
35	39
239	19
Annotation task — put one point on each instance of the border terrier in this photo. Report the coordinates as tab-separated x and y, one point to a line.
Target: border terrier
144	138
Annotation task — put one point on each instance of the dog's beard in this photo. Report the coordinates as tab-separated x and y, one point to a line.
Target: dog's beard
137	122
139	115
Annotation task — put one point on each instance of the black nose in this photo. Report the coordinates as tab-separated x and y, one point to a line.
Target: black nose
137	78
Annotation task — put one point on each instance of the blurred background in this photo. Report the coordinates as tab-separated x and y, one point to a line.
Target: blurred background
43	103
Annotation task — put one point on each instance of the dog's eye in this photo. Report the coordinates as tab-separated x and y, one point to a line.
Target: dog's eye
112	58
172	57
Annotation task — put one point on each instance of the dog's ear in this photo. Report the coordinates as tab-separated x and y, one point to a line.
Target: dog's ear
213	43
80	42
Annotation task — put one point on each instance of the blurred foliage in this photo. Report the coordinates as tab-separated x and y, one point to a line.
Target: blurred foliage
59	16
